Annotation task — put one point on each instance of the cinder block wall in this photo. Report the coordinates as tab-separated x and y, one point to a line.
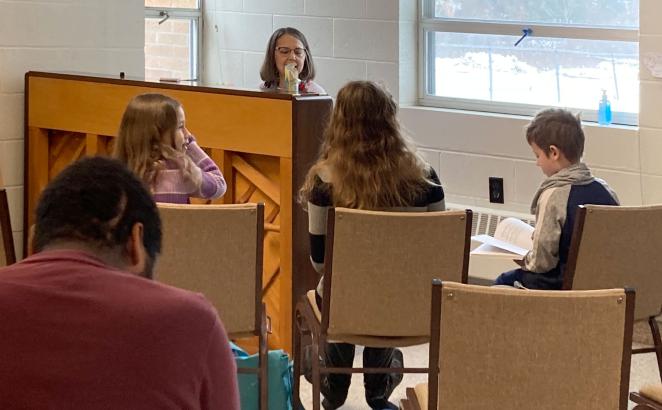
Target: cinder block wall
93	36
377	40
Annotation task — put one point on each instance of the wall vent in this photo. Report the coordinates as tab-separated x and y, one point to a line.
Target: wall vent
485	220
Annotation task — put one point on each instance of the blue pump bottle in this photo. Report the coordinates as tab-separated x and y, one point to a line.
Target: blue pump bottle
604	110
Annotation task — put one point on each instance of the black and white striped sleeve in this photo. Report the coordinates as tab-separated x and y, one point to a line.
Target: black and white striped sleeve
435	195
318	206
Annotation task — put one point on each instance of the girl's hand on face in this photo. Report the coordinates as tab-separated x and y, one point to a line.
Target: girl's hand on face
188	137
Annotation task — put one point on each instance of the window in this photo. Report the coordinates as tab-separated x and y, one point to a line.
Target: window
572	51
172	39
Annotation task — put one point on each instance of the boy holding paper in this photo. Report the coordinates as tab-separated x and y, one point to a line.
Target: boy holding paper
557	141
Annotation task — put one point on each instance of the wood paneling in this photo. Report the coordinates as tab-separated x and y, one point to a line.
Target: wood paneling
263	143
236	123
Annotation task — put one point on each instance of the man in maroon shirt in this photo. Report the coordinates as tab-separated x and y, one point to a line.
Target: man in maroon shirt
83	326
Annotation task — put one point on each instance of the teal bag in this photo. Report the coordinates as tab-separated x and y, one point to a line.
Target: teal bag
279	368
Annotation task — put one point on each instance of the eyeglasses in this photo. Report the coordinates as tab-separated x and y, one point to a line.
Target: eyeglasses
299	52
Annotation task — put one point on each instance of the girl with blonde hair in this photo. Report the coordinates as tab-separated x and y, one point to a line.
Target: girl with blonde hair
155	144
365	163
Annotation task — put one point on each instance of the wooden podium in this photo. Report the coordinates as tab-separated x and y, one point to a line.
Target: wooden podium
264	143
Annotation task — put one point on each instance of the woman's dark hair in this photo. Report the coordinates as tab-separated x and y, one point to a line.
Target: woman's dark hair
96	201
269	72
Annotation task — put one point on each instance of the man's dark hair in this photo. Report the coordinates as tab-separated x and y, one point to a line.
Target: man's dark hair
97	201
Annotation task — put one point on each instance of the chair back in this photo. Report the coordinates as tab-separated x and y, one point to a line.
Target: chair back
513	349
7	252
378	267
216	250
618	246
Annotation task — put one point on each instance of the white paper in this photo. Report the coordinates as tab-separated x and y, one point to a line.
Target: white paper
489	250
653	62
513	238
503	246
515	231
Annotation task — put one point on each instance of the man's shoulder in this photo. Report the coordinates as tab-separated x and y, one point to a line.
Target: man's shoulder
70	274
171	300
187	300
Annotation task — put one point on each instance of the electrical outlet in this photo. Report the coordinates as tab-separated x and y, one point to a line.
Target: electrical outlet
496	190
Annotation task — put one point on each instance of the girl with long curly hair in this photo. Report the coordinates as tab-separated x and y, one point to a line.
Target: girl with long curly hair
365	163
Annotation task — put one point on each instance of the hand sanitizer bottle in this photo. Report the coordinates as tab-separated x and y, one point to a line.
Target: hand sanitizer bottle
604	110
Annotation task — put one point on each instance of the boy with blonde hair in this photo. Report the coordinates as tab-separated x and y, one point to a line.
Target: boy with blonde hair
557	140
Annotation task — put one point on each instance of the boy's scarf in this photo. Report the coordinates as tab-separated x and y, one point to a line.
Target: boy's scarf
577	174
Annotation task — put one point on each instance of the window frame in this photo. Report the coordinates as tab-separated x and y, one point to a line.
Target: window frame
194	15
427	24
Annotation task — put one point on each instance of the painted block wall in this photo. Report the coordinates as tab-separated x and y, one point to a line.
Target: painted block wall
349	39
93	36
376	39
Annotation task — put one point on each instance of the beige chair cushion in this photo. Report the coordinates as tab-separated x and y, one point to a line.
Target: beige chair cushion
620	247
652	391
310	295
212	249
509	348
365	340
387	260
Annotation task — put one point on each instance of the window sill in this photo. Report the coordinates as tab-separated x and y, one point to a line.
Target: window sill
525	119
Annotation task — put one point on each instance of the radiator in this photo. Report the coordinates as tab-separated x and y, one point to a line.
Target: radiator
483	269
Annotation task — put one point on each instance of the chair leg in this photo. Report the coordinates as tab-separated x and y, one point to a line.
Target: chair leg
263	359
657	341
644	403
412	399
317	381
296	399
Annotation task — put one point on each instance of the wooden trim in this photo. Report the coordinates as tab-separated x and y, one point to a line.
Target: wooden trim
657	342
412	397
644	403
247	124
5	227
286	247
373	370
297	357
26	159
97	78
328	269
262	183
263	359
36	151
435	342
259	257
630	298
467	245
643	350
575	242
